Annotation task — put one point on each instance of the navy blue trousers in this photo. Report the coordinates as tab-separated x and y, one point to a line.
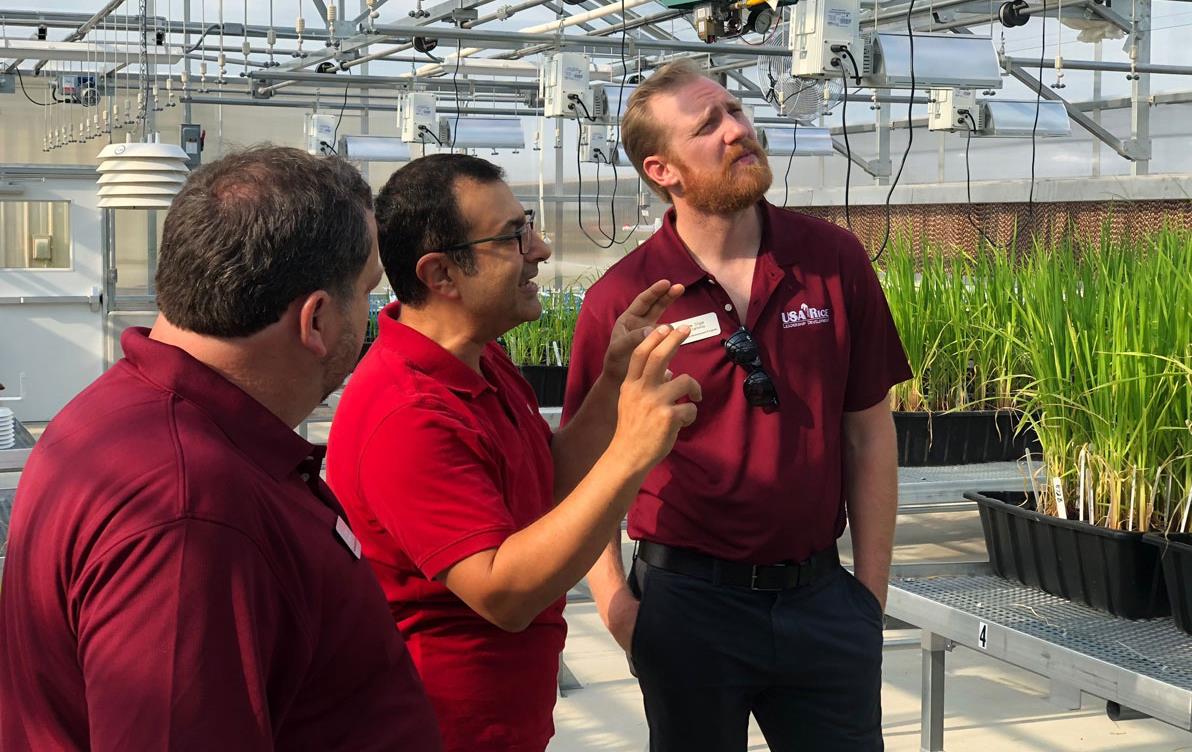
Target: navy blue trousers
805	662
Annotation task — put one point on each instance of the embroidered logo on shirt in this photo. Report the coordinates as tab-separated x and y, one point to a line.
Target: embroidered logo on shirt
805	315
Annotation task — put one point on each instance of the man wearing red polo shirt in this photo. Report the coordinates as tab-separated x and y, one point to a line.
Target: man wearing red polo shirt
449	474
178	577
737	603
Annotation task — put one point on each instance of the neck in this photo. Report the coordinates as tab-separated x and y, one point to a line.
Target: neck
259	364
719	237
450	328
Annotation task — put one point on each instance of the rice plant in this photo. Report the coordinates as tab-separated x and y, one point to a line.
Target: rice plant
546	341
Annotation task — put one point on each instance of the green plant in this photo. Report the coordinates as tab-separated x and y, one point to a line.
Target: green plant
546	341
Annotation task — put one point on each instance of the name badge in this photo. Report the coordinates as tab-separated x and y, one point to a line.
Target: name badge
347	536
702	327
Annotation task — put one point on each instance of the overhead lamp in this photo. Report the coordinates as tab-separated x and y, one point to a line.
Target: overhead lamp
1016	119
941	60
85	52
487	133
374	149
799	142
140	175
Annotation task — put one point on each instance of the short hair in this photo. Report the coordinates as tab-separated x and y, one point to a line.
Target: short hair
255	230
641	134
417	213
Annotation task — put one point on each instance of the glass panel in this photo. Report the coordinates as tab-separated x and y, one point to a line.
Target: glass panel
34	234
138	236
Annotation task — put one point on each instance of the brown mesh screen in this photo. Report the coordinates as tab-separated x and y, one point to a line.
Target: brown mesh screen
949	225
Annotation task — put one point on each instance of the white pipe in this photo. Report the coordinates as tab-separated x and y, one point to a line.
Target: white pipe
438	69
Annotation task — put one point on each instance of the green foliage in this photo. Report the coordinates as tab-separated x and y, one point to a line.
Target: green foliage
547	341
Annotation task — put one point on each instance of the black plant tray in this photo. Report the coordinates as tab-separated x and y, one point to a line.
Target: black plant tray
961	438
1110	570
549	383
1175	551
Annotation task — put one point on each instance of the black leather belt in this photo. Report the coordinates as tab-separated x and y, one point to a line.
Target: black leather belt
739	574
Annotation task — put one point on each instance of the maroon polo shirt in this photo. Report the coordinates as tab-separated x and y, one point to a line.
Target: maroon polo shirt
435	462
741	484
175	581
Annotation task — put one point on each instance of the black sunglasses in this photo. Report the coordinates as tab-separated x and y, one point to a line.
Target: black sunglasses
520	234
759	387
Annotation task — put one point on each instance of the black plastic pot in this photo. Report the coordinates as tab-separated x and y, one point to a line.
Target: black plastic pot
548	382
1175	552
1110	570
961	438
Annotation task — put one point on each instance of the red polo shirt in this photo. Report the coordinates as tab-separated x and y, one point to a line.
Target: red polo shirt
741	484
434	463
175	581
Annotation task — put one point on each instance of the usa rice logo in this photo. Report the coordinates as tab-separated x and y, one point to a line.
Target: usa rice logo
805	315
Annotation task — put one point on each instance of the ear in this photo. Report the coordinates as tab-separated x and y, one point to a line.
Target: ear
658	169
439	274
314	323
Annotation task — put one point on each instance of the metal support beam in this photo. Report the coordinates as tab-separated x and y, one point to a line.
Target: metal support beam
1105	13
932	711
1126	149
872	167
1140	89
1094	65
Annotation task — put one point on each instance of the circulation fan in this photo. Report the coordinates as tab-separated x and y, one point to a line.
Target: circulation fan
801	99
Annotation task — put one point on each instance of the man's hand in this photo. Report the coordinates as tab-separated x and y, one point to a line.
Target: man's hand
632	326
649	413
621	616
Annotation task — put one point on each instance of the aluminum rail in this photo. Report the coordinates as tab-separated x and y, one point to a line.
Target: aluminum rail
1145	666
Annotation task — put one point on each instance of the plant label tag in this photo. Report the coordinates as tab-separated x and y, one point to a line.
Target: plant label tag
702	327
983	636
347	536
1060	509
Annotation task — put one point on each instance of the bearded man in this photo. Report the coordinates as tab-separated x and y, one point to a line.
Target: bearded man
736	603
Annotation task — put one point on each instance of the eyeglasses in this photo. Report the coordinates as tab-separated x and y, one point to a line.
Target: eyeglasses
523	247
759	387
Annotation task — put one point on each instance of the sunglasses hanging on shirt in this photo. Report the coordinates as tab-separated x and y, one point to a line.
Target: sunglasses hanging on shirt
759	387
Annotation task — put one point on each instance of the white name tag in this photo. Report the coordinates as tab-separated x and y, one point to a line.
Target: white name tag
347	536
702	327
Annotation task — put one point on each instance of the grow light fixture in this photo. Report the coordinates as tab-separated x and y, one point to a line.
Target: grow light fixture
1016	119
374	149
488	133
799	142
941	60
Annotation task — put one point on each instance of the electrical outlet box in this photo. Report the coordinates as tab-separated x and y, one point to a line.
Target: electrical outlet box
595	144
819	26
565	86
953	110
41	248
320	133
190	137
417	117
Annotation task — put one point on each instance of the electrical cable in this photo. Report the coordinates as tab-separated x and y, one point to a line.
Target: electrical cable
786	179
968	185
1030	203
599	219
342	107
21	80
612	153
429	132
579	206
848	149
910	131
459	48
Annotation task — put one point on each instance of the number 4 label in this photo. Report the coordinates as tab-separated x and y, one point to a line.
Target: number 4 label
983	636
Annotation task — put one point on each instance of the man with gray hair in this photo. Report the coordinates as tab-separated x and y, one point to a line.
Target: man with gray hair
178	577
736	603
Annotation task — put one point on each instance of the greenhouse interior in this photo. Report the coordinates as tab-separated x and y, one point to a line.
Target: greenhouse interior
1011	169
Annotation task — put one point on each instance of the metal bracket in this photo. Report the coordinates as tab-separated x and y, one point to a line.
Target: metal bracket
875	168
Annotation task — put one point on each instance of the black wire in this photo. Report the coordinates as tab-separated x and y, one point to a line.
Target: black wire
968	185
587	115
430	133
21	79
579	206
848	149
612	156
342	107
786	179
599	219
1030	203
910	132
329	146
459	48
203	36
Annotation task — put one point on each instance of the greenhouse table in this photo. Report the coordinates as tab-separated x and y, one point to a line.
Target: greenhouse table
1144	666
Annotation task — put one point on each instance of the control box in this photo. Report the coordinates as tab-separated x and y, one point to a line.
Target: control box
953	110
820	30
565	84
320	133
417	118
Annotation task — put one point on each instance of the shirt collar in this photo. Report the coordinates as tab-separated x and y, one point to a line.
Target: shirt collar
427	356
249	425
671	259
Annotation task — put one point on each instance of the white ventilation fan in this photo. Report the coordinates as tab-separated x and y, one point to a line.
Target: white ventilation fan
140	175
803	100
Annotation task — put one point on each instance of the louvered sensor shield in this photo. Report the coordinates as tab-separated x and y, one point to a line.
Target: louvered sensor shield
140	175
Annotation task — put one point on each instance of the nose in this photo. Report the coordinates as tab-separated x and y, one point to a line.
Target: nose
539	249
737	128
